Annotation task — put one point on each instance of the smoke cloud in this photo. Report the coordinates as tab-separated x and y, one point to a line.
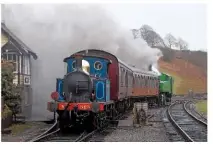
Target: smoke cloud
56	31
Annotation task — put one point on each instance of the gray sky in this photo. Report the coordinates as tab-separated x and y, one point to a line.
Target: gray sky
182	20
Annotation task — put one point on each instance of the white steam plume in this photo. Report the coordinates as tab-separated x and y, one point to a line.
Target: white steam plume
56	31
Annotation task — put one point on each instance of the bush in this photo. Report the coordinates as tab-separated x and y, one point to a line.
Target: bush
6	112
10	92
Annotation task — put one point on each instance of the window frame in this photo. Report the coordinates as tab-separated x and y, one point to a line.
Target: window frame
95	65
12	54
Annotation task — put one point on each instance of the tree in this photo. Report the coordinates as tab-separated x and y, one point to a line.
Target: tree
10	92
151	37
135	33
170	40
183	45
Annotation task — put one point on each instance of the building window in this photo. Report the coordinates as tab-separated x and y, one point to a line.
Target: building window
12	57
26	65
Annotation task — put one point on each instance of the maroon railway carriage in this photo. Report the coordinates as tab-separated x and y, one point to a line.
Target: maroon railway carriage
126	81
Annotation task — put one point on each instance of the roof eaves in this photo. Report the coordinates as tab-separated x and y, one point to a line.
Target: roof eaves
22	45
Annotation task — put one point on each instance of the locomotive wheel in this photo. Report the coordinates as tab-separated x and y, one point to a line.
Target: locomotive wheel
90	123
163	100
62	126
169	101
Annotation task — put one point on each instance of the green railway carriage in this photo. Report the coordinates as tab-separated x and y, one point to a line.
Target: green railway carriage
165	88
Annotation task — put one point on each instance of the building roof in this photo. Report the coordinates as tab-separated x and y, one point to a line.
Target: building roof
21	46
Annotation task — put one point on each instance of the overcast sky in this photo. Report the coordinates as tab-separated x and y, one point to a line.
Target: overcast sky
182	20
187	21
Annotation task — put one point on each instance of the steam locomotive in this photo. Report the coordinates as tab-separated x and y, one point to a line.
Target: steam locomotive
88	99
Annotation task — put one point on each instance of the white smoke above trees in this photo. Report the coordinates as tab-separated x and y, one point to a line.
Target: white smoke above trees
56	31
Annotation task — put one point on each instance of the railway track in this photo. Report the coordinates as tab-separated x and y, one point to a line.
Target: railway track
48	132
191	128
54	134
190	108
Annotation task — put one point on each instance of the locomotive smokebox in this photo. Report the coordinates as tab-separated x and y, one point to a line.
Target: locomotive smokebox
79	85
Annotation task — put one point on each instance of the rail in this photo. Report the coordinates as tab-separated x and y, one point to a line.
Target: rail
46	133
175	124
193	116
190	127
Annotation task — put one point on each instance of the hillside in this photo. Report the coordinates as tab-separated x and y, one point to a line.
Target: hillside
189	69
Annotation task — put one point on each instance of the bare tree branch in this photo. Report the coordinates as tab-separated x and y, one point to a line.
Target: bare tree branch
183	45
170	40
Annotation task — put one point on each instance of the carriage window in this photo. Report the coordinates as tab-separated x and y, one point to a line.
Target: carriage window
121	76
148	82
139	80
98	65
152	80
136	80
142	81
133	81
126	79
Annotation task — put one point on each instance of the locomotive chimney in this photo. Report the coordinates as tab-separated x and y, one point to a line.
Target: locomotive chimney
78	58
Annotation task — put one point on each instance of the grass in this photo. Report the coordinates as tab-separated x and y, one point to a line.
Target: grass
19	128
202	106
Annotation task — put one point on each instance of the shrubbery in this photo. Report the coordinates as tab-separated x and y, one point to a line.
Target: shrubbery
9	91
6	112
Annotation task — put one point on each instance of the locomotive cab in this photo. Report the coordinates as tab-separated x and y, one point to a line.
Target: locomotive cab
81	80
82	83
